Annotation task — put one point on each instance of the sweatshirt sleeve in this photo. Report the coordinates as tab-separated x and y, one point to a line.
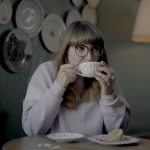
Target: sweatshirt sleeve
116	111
42	101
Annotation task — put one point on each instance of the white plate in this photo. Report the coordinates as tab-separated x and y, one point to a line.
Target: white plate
5	11
17	50
72	16
127	140
77	3
93	3
30	16
52	28
65	137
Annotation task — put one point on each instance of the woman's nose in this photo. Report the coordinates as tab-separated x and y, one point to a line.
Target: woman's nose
89	55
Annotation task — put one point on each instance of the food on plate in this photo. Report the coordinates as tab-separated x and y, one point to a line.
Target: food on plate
114	136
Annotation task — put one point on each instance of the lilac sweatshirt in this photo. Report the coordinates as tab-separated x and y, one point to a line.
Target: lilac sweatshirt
43	112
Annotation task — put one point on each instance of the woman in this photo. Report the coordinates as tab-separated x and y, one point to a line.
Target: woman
58	100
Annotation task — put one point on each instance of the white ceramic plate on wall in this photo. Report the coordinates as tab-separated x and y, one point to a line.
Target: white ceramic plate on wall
17	50
30	16
89	14
93	3
5	11
77	3
73	15
52	28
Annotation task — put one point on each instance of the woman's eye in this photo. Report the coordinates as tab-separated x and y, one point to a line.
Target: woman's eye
81	48
96	48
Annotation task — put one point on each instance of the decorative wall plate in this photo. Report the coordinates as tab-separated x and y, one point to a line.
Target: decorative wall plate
127	140
5	11
93	3
30	16
52	28
65	137
89	14
72	16
17	50
77	3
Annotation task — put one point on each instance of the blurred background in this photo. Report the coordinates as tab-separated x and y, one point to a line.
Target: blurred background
131	60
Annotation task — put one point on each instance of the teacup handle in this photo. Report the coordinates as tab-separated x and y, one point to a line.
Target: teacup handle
80	73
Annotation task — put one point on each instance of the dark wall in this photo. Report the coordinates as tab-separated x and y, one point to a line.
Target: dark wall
131	60
13	86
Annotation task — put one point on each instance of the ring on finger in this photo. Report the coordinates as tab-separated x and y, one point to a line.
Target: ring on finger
71	75
113	77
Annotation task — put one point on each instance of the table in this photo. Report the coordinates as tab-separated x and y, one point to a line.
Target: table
31	143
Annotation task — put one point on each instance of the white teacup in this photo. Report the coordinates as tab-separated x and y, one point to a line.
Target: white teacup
88	69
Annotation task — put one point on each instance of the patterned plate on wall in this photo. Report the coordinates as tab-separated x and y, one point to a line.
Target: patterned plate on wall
5	11
52	28
93	3
17	50
89	14
127	140
30	16
72	16
77	3
65	137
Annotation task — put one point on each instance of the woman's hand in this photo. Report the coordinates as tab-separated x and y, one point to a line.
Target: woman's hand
104	75
67	74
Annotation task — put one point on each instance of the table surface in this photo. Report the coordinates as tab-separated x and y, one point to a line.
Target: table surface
31	143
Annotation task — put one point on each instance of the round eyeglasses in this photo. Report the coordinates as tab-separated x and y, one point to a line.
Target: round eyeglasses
82	51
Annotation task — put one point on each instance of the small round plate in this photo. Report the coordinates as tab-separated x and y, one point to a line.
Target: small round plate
127	140
93	3
5	11
30	16
17	50
77	3
52	28
65	137
72	16
89	14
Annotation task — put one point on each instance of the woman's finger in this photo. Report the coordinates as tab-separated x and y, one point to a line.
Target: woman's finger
69	66
70	71
106	70
106	78
102	63
101	80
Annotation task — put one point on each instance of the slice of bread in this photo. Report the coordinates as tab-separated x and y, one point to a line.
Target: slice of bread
114	136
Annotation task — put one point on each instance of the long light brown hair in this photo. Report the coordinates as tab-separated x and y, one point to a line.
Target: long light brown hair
79	32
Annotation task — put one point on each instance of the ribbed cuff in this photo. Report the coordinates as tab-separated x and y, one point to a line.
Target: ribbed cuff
57	90
108	98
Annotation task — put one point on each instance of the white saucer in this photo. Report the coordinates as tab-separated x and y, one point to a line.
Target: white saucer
5	11
127	140
72	16
52	28
65	137
30	16
77	3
